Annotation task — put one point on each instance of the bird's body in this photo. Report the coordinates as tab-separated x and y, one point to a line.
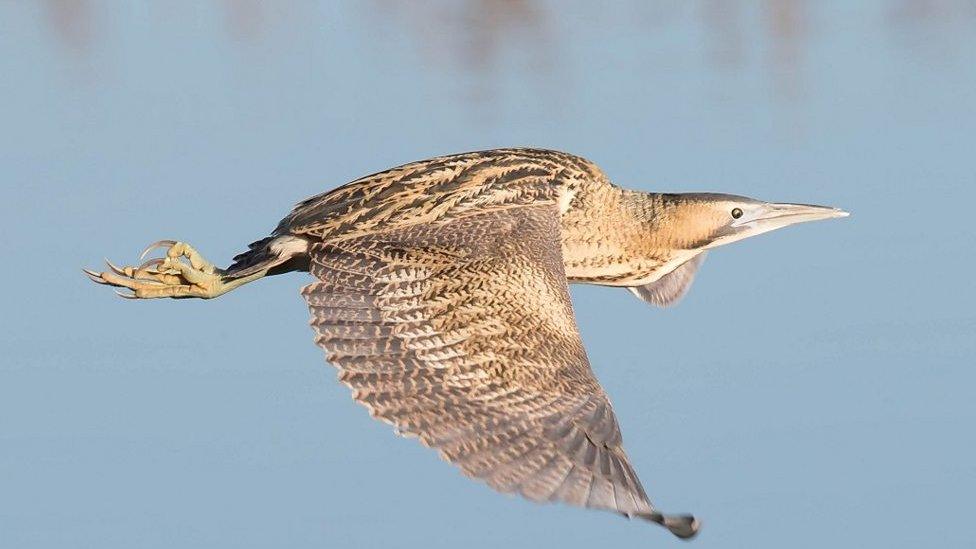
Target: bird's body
607	233
441	296
603	231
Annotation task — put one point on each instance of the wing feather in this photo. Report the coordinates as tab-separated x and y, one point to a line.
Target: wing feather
463	335
670	288
430	191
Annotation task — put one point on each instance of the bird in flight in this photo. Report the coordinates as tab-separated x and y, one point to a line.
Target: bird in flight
441	295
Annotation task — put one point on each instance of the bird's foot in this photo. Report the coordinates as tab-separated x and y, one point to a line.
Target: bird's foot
181	273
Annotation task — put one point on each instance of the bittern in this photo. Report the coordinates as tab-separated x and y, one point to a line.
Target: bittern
441	297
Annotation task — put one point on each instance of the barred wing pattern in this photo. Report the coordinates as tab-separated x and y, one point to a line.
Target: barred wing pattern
439	189
462	334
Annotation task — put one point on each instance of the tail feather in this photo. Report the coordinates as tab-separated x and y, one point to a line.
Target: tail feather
280	253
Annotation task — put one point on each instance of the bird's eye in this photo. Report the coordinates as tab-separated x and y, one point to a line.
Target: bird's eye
736	213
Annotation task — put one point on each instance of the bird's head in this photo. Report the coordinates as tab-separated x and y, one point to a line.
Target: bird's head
706	220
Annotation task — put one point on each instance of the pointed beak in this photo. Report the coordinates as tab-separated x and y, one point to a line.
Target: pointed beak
762	217
771	216
775	216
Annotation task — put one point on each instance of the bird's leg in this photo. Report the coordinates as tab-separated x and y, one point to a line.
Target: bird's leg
182	273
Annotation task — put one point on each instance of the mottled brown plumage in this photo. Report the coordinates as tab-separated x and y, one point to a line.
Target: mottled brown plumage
441	297
605	231
462	334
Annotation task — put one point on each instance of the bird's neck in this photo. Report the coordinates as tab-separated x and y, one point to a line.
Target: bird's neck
619	237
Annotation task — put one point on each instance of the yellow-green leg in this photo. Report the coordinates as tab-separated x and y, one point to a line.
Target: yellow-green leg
182	273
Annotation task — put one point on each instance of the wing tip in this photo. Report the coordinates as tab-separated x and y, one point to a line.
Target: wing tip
682	526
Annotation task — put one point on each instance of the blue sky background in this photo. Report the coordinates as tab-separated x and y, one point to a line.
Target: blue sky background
815	388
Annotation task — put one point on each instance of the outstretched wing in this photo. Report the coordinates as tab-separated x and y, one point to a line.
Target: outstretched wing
463	335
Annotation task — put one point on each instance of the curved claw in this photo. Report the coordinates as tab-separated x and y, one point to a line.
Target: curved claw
116	269
95	277
157	244
125	295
